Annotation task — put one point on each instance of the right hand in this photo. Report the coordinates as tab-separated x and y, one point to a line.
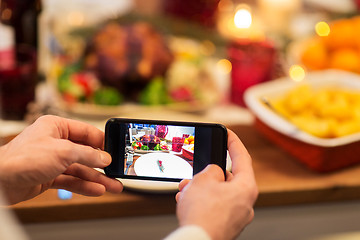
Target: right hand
223	208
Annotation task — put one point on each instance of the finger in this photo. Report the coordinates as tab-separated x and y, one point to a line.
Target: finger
229	176
91	175
242	170
69	153
210	173
177	196
241	160
183	184
77	131
77	185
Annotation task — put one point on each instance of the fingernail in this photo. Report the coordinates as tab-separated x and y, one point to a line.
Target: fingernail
105	157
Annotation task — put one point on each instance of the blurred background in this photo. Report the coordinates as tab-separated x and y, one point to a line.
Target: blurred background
107	58
101	59
287	68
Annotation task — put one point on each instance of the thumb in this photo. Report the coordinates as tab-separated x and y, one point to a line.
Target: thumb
183	184
211	172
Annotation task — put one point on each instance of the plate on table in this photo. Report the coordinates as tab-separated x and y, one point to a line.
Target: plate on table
139	151
90	110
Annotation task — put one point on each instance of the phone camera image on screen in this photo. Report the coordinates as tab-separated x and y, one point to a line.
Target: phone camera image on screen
166	151
162	151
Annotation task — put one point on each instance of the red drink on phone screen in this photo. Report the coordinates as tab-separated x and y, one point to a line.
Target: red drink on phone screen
177	143
161	131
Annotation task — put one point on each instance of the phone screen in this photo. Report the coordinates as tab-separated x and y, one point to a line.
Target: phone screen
163	150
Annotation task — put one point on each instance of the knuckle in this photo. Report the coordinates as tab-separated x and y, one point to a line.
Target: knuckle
46	118
64	152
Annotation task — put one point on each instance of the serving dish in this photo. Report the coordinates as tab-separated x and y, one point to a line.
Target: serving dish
319	154
188	152
90	82
89	110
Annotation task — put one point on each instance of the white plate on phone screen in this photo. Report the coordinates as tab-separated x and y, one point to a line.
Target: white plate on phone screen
173	166
157	186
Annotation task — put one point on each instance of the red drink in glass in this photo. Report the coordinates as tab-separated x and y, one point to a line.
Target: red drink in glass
252	63
161	131
177	143
17	85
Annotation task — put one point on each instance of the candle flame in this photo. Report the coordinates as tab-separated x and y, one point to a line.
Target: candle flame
243	18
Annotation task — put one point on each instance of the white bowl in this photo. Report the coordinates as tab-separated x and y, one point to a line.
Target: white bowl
269	90
319	154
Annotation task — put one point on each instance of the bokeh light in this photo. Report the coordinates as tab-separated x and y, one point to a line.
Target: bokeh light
297	73
224	66
322	29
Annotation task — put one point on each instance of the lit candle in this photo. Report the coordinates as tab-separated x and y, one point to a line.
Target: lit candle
240	23
251	56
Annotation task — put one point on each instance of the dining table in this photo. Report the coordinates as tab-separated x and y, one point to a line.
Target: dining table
281	179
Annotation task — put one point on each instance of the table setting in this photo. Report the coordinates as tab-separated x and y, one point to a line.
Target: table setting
237	66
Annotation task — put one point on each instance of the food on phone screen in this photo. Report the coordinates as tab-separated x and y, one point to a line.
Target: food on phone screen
163	150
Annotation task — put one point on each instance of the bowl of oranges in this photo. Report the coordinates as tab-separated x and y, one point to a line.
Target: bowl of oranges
188	148
336	46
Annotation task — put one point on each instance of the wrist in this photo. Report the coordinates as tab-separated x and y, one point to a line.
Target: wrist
189	232
4	176
2	171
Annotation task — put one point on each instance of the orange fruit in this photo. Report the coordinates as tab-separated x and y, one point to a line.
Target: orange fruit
356	31
315	55
341	34
345	59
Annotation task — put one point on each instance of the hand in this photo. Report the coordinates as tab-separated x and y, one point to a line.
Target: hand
222	208
55	153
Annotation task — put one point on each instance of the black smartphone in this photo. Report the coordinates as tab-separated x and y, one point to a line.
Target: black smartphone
163	150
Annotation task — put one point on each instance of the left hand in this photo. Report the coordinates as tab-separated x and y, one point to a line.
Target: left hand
55	153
